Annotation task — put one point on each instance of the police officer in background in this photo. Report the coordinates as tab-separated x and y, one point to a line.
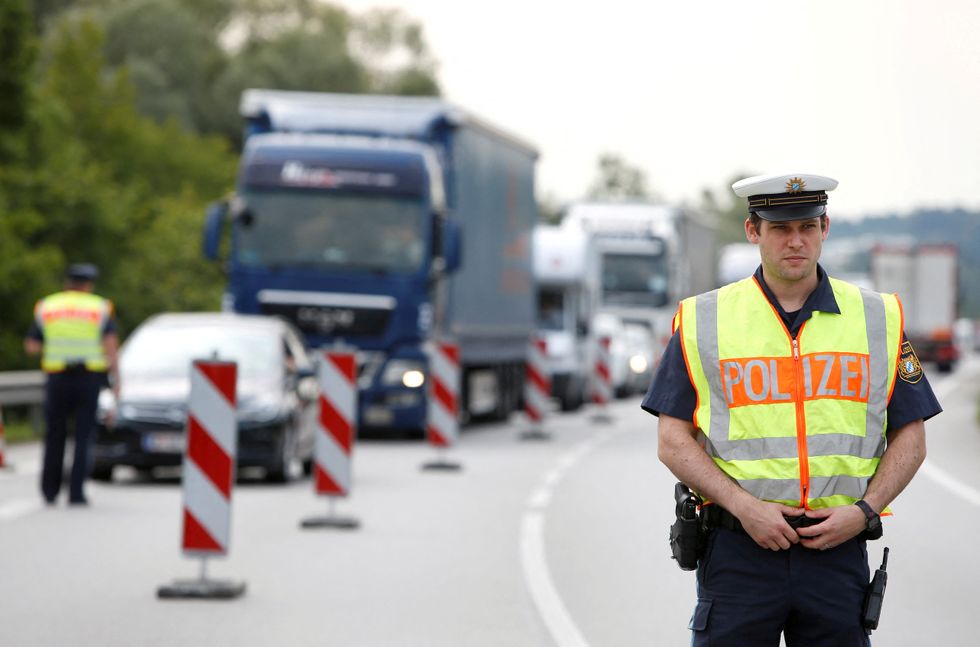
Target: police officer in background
75	335
792	403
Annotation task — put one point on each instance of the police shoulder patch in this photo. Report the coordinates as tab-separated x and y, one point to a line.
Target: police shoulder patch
909	368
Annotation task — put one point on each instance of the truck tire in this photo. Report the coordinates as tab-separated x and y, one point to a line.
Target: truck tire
573	396
945	367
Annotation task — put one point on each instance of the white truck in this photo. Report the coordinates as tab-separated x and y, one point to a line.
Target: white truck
567	278
925	279
649	257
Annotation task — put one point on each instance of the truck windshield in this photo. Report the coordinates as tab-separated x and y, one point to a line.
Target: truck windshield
551	309
313	229
634	280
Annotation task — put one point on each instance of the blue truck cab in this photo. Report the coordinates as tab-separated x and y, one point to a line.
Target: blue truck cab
386	223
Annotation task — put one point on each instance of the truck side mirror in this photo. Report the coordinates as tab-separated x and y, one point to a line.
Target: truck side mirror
213	222
452	246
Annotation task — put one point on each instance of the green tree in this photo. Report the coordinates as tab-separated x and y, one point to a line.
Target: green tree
619	180
191	60
726	210
100	182
16	58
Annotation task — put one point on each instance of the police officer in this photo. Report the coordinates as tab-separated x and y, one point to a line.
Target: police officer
75	335
792	403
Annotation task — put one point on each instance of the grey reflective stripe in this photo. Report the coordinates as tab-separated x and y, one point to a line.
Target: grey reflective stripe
877	329
820	487
751	449
852	486
706	313
773	489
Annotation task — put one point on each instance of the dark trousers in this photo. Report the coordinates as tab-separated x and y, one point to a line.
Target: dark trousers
69	394
748	596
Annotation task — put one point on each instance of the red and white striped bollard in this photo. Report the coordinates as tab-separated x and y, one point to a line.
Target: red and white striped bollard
602	390
537	388
335	433
208	476
442	411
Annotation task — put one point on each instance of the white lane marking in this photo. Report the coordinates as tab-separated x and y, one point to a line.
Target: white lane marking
18	508
550	606
943	478
951	483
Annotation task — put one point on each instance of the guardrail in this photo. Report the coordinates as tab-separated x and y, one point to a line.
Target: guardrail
21	387
24	388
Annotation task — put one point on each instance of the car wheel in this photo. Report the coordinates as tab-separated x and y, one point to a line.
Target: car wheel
308	466
102	473
279	469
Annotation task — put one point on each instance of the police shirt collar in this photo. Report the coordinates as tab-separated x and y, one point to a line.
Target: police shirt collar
822	298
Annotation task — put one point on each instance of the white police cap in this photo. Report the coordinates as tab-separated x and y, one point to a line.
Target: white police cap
788	196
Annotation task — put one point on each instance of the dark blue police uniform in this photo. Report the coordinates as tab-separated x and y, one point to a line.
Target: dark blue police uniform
748	595
72	393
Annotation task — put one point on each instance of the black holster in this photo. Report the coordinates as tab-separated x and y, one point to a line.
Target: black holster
687	537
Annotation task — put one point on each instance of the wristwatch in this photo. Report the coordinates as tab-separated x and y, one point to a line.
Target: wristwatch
873	524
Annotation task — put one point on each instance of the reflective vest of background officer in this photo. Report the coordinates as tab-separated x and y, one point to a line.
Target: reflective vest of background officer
793	372
75	334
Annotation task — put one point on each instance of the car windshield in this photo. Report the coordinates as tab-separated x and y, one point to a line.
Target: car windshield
319	229
634	279
167	351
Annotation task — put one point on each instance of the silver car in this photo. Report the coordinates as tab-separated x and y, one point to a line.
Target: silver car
277	394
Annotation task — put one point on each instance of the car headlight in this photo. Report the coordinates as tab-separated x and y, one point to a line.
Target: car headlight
406	372
638	363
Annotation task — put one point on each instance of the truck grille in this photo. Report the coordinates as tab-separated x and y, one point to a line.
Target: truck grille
332	320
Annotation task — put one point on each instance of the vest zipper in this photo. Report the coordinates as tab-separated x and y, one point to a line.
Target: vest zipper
801	424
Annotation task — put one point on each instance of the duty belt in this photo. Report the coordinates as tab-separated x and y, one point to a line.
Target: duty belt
714	516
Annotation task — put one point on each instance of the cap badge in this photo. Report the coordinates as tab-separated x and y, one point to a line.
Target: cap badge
795	185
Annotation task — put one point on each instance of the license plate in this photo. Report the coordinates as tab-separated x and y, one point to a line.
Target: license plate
378	416
164	442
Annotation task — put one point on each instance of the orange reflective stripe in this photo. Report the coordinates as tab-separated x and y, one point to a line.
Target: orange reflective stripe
815	376
83	314
687	364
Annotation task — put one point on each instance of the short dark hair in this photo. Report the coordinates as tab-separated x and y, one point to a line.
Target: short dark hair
755	220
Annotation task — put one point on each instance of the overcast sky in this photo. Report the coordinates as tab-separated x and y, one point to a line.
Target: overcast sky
883	95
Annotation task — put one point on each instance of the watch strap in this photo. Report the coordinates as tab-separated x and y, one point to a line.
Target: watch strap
866	508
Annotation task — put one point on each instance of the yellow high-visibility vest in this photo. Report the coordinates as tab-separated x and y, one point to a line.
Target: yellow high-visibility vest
797	421
72	324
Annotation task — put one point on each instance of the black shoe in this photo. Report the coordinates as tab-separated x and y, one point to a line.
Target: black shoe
79	501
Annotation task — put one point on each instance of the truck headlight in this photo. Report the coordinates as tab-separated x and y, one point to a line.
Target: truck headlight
409	373
638	363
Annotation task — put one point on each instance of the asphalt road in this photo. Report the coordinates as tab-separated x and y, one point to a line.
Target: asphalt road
533	543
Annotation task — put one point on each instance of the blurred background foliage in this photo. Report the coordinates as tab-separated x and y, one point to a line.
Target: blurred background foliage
119	124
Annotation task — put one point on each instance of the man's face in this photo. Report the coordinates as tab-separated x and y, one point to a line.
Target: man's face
789	250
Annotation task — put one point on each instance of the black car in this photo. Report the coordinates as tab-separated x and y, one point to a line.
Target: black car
277	394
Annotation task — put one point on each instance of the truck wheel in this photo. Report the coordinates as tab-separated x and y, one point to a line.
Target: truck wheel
572	398
945	367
